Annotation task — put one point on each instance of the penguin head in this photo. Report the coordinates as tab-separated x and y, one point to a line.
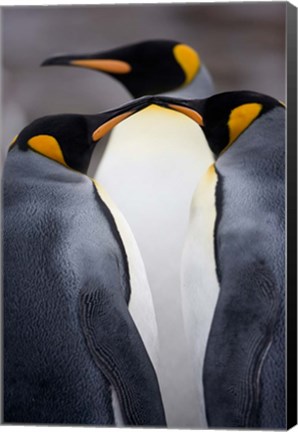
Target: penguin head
71	138
223	117
149	67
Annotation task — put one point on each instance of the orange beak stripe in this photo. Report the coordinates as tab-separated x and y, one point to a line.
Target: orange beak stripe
106	127
112	66
189	112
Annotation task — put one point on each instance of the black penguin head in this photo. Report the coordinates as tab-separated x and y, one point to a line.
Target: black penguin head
71	138
148	67
223	117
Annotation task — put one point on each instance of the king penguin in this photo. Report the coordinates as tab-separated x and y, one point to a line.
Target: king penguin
158	157
233	266
147	68
75	350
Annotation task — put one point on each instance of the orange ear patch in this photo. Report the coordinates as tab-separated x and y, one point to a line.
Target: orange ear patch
112	66
47	146
189	61
240	118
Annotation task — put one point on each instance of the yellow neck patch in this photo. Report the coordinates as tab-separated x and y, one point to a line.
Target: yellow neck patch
13	141
47	146
240	118
189	61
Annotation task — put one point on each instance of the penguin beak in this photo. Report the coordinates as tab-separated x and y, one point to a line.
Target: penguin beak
108	125
90	62
186	107
102	123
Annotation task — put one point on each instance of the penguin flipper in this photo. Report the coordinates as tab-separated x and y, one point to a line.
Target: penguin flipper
239	340
119	352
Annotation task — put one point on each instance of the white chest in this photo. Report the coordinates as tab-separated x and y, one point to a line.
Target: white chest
151	168
199	282
140	304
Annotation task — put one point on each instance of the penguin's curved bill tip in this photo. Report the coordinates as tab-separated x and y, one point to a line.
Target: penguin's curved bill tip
55	61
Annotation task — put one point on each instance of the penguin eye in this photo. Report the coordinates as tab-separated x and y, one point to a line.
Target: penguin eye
240	118
188	60
48	146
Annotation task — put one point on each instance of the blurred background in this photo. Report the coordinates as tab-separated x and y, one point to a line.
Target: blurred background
242	45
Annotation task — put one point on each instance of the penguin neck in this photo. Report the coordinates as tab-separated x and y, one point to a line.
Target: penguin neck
199	88
33	165
262	140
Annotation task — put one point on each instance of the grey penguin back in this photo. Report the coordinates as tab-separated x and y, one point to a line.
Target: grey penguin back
52	226
249	320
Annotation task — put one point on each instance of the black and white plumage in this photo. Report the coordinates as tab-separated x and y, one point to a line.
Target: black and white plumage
72	273
233	268
158	157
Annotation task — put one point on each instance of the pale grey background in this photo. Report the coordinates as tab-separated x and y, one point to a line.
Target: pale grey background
243	45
